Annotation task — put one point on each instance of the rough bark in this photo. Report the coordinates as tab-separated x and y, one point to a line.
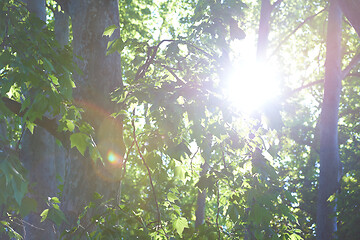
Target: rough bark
329	149
101	75
61	28
37	7
38	156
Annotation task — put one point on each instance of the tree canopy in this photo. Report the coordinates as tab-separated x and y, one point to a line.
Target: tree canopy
143	119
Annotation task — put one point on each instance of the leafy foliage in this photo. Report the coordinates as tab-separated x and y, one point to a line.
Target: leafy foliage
260	177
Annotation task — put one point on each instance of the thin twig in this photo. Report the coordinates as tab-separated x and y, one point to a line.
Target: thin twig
197	48
295	30
150	58
29	224
354	61
123	172
178	79
218	209
223	159
152	51
344	73
150	178
305	86
192	158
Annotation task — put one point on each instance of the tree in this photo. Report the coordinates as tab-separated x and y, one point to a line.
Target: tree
40	164
151	142
329	147
93	90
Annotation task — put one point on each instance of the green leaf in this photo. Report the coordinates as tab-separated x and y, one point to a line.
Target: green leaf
56	215
259	214
44	215
70	125
294	236
55	200
332	197
27	205
47	65
153	160
30	126
290	197
80	141
180	172
233	212
172	197
109	30
146	11
19	188
179	225
206	182
116	45
176	151
97	196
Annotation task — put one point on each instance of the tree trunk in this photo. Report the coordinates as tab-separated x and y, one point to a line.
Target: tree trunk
101	75
201	199
61	28
264	29
38	157
329	149
4	143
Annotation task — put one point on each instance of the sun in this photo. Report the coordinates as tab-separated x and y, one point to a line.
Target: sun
250	84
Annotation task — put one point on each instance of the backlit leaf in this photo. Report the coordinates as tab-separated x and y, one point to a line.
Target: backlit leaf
109	30
179	225
79	140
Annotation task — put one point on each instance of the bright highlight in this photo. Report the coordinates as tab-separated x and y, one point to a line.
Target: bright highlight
113	158
251	85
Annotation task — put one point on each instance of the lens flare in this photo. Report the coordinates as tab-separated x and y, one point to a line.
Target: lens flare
108	140
113	158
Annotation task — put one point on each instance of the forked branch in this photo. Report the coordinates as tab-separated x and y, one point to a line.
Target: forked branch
150	178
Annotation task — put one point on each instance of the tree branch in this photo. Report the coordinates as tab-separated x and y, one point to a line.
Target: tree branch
296	90
48	124
276	3
178	79
218	209
357	74
150	178
351	9
295	30
152	54
346	71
